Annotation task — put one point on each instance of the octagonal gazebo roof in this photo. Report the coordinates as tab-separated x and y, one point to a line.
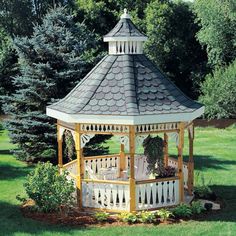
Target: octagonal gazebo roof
125	87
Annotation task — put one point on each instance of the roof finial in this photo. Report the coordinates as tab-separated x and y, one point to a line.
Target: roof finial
125	14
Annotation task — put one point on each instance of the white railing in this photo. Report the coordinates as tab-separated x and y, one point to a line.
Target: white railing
174	163
151	195
106	195
71	167
98	163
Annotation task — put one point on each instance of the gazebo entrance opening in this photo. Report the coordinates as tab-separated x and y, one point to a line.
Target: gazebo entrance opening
122	182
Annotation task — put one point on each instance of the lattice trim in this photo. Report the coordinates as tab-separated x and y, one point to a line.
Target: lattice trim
156	127
104	128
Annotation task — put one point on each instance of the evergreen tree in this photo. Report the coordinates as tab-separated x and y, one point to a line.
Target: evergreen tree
56	57
8	65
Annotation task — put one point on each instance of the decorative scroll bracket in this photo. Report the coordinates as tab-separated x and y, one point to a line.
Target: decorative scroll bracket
139	140
191	133
125	140
85	138
61	131
175	137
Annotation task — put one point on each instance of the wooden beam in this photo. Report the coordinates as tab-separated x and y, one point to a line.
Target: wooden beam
79	153
166	155
122	160
101	157
180	161
106	181
132	170
190	161
59	145
147	181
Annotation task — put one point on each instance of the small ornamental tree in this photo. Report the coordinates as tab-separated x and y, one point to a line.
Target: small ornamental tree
50	190
51	62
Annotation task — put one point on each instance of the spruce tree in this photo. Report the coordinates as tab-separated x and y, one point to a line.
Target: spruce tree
8	65
52	60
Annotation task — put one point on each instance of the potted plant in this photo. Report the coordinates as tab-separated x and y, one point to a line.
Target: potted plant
153	150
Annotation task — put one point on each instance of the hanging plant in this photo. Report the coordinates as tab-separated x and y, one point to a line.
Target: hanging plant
69	146
153	150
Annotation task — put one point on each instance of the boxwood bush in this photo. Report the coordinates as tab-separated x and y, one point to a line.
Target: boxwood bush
50	190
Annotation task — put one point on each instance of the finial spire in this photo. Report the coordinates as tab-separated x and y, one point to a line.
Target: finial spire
125	14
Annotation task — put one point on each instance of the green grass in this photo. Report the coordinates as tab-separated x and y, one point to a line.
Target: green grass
215	157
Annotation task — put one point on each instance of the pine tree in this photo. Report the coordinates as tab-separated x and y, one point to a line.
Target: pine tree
52	60
8	65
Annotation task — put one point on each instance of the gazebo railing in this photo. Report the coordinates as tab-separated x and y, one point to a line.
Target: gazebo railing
174	163
96	163
107	195
156	193
114	194
71	167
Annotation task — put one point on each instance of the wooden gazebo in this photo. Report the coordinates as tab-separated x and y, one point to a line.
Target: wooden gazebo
126	95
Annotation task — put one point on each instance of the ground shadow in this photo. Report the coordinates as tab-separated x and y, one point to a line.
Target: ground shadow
205	161
12	222
227	195
8	172
5	152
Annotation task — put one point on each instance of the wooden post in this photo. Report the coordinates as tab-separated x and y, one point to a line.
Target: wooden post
180	161
59	143
190	160
122	160
166	149
132	171
79	153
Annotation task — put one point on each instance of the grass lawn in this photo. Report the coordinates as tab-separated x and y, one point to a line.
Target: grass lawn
215	157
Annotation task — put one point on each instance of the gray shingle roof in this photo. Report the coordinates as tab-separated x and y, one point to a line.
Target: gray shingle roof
125	85
125	28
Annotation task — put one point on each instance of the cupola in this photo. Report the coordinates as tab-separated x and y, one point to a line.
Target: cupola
125	38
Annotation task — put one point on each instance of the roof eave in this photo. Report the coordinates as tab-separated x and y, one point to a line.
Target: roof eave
124	38
125	120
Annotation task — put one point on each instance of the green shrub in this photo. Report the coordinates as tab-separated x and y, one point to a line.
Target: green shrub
101	216
128	217
182	210
164	214
202	191
146	217
50	190
196	207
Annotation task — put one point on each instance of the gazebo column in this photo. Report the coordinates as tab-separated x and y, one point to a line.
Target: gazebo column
122	159
79	154
166	149
132	170
59	142
180	161
190	161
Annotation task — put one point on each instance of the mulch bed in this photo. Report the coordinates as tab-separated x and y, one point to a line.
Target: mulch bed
86	219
